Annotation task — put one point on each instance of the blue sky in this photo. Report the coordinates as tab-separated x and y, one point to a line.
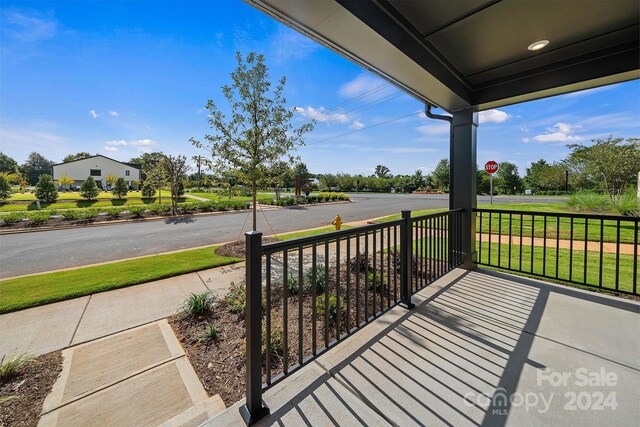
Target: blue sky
121	78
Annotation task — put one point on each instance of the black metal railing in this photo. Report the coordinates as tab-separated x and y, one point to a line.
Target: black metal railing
306	295
588	250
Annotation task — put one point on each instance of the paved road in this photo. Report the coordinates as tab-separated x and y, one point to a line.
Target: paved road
49	250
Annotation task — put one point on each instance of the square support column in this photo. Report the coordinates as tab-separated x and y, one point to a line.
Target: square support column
462	179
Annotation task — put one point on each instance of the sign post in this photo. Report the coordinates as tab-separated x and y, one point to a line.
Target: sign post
491	167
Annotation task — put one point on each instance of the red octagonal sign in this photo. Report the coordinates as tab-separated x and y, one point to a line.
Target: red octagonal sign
491	167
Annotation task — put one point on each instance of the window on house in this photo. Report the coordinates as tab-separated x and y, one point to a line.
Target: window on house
126	173
95	172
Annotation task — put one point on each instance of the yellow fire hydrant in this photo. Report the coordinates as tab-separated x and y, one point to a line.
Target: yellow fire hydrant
337	221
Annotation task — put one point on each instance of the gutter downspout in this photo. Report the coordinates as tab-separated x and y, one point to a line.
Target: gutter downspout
429	114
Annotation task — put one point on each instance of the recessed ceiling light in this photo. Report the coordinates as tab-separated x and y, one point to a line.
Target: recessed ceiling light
538	45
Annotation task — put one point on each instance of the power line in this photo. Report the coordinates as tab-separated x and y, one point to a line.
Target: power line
361	129
351	100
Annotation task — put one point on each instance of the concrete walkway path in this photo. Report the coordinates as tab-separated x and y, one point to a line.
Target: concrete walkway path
138	377
59	325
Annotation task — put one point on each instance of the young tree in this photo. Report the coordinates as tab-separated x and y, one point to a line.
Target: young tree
65	181
111	180
89	190
5	188
259	130
509	179
613	162
416	182
148	190
46	189
120	188
175	170
441	175
77	156
147	162
382	172
8	164
35	166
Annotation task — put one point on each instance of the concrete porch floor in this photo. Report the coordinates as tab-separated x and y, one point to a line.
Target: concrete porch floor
481	349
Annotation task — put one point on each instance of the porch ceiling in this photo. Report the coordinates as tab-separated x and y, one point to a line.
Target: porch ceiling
473	53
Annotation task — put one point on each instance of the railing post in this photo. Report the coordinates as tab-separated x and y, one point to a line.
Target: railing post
254	408
406	255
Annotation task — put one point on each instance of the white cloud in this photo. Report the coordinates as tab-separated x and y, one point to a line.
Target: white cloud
113	113
361	84
288	45
321	115
558	133
28	27
109	148
494	116
116	142
357	125
93	114
435	128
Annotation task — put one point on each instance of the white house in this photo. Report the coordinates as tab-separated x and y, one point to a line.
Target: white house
99	167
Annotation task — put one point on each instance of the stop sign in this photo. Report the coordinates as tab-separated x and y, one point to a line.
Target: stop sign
491	167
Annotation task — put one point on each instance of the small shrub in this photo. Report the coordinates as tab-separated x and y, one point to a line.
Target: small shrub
70	215
113	212
312	199
12	365
148	191
236	298
320	282
211	333
90	213
137	211
589	201
120	189
89	190
39	217
5	188
198	304
333	307
276	340
13	218
292	283
360	263
376	281
628	204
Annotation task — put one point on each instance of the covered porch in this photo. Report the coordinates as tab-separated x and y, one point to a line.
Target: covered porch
480	348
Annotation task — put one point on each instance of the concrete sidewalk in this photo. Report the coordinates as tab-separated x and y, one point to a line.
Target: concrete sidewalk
59	325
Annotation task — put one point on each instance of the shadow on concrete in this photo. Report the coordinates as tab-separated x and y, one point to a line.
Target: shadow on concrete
461	356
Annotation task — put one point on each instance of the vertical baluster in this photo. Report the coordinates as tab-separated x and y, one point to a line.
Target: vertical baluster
618	255
601	251
366	277
300	301
327	292
481	214
338	313
557	245
395	267
499	237
533	242
268	315
520	263
357	273
375	275
389	267
571	249
586	240
348	295
285	310
489	250
314	313
510	238
635	257
544	247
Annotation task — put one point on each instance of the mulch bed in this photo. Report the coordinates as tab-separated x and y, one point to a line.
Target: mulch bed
220	365
237	249
29	389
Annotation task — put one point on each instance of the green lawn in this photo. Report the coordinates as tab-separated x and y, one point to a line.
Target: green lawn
610	228
566	265
501	223
214	197
567	269
49	287
74	195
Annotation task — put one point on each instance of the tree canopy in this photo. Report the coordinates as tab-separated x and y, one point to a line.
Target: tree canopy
77	156
258	130
36	165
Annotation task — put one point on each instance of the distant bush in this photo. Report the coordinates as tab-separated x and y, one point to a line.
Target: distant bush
589	201
70	215
39	217
46	189
137	210
13	218
628	203
89	190
113	212
89	213
148	191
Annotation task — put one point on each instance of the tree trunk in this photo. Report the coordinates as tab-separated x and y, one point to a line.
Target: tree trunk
254	208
